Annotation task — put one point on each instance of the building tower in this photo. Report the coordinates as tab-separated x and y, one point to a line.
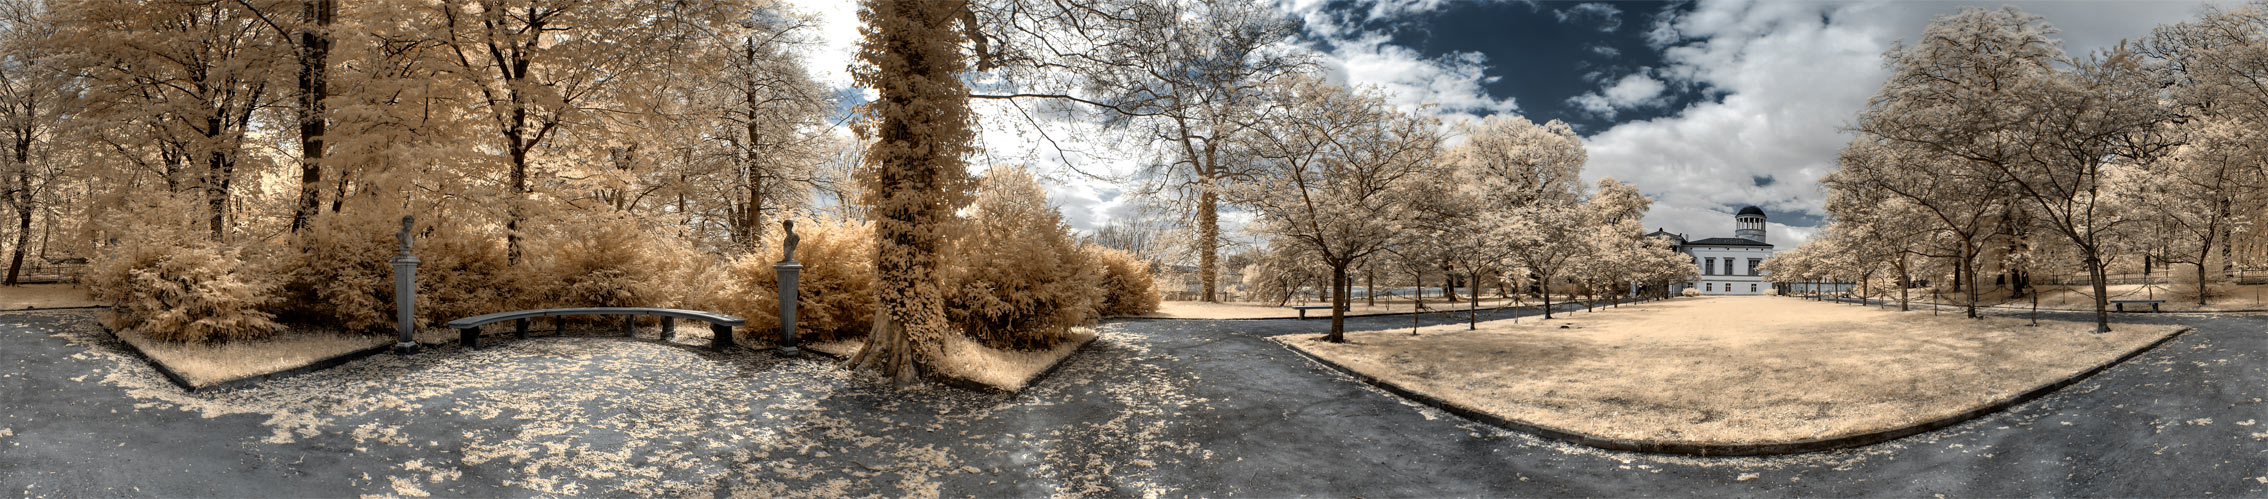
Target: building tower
1749	224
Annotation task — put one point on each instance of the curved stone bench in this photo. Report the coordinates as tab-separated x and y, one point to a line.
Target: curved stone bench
468	329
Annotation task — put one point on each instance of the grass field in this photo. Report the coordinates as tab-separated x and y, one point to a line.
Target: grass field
1732	370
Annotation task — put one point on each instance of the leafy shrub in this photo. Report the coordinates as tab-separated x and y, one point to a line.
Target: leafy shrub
1016	279
1128	288
338	271
461	272
1689	291
834	292
172	284
605	261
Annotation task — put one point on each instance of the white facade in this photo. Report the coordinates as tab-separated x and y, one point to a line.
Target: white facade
1729	270
1729	265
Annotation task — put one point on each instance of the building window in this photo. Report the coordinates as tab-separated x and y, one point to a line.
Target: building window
1752	287
1708	286
1712	268
1752	263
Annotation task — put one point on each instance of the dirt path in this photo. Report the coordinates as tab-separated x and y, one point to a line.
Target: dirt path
1174	407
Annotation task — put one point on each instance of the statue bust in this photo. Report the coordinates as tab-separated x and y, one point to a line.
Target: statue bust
787	243
404	235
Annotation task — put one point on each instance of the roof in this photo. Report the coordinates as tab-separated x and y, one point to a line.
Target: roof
1750	210
1727	241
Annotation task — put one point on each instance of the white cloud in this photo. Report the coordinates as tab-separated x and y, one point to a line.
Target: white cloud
1634	90
1604	16
1452	84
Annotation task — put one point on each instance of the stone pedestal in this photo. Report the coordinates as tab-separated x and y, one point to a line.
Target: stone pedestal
405	291
788	272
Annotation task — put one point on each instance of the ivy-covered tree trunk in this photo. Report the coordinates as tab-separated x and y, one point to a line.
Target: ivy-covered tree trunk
913	58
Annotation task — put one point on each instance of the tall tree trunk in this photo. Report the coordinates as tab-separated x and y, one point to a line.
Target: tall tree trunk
24	203
1208	241
1472	290
1545	285
1338	305
314	85
2102	288
517	196
2201	280
217	177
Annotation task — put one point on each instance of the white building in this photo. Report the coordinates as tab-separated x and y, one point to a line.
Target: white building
1729	265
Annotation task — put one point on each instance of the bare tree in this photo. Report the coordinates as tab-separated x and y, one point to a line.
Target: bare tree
1338	174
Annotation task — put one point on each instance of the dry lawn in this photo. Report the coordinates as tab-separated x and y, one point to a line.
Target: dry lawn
2178	297
205	365
1007	370
33	296
1251	310
1732	370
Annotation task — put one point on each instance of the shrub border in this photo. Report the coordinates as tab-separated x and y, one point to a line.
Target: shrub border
1695	449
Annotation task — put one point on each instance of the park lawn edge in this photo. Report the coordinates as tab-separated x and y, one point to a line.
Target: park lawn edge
1707	449
136	344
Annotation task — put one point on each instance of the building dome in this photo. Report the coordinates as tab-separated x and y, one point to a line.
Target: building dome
1751	210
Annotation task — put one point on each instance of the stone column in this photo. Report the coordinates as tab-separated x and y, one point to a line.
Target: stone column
405	291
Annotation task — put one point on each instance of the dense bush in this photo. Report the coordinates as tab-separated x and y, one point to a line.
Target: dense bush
169	282
835	291
338	271
606	261
1128	288
1016	279
461	272
1689	291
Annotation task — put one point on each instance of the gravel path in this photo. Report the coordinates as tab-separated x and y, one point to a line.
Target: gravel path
1151	408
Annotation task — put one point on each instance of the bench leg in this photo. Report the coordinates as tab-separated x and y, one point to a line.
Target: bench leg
630	326
2154	308
469	337
721	337
2121	307
669	329
520	328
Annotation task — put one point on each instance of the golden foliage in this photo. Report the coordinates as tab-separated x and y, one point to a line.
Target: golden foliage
171	284
834	292
1017	278
607	261
1128	288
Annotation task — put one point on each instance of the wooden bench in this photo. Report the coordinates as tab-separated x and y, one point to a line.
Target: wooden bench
1304	308
468	329
2121	304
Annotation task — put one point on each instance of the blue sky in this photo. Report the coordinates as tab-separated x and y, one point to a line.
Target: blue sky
1705	105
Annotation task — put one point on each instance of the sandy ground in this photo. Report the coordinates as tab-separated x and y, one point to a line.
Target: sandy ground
1249	310
1004	369
1732	370
31	296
